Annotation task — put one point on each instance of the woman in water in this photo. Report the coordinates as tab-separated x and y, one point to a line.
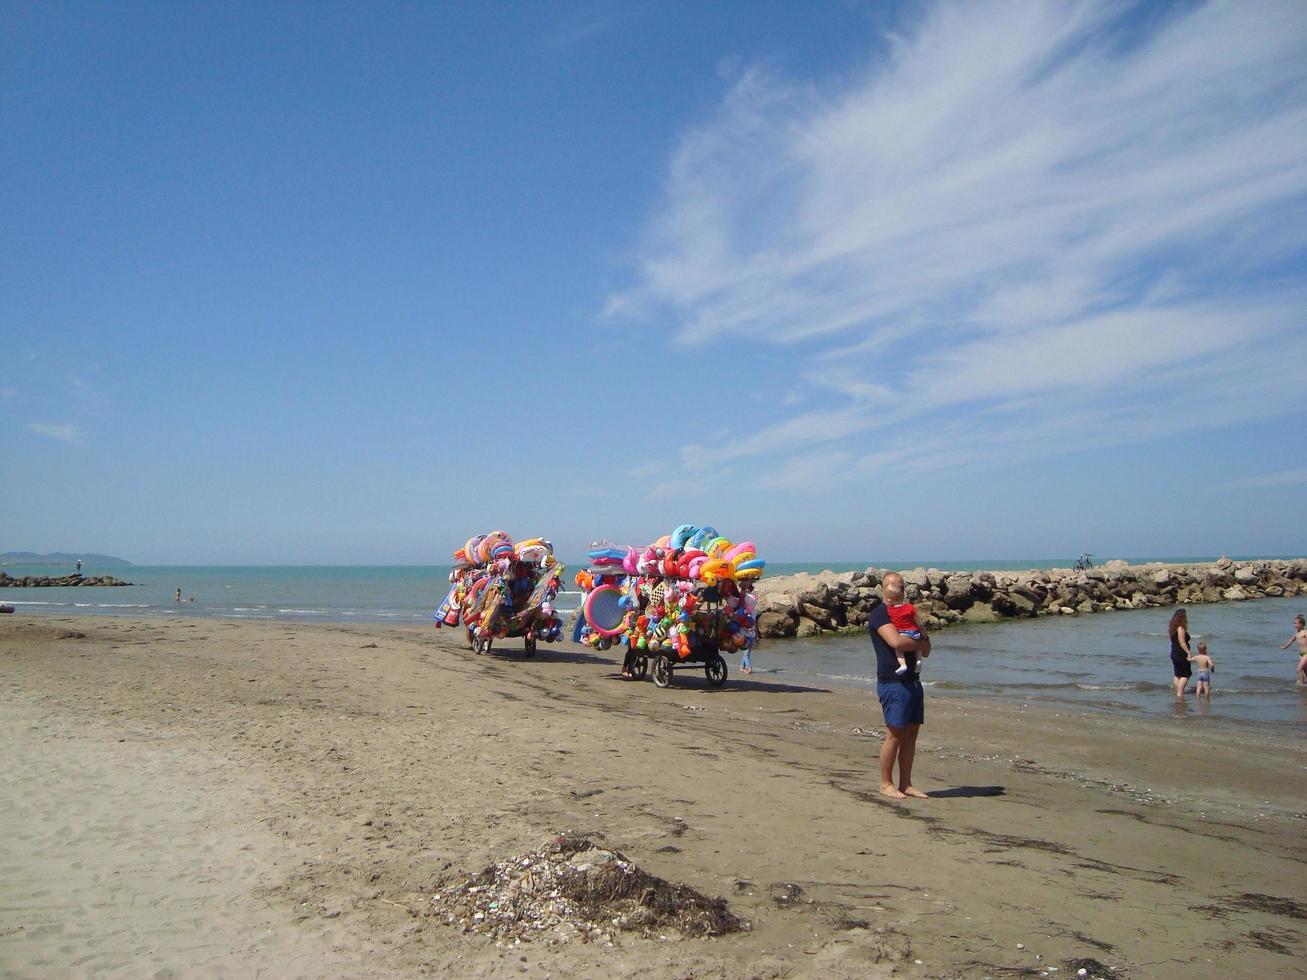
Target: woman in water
1179	630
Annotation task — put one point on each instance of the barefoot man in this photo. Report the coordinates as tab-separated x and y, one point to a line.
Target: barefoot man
901	696
1299	637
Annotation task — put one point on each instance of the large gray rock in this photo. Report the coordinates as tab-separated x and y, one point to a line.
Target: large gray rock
960	592
1013	604
807	628
823	617
918	577
777	625
822	595
980	612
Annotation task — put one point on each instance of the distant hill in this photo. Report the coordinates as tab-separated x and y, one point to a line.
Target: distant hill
62	558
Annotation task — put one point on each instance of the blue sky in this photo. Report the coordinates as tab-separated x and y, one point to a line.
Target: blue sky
349	283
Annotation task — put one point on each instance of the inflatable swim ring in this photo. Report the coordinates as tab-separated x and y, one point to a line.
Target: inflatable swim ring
603	611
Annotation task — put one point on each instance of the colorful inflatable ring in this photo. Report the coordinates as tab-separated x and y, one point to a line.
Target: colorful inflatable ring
701	537
681	535
718	547
715	570
695	564
741	558
739	549
752	565
532	553
604	612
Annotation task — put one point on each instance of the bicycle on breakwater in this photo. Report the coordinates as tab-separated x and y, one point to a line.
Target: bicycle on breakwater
1084	562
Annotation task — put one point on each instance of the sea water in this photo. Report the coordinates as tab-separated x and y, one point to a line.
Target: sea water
1117	661
1113	661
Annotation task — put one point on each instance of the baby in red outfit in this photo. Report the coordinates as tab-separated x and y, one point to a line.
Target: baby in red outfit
904	617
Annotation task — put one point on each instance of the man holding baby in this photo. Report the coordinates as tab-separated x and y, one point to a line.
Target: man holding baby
901	696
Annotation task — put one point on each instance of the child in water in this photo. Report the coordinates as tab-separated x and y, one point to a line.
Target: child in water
1203	664
904	617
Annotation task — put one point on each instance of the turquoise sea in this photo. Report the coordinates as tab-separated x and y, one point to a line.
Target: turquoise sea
1113	661
337	593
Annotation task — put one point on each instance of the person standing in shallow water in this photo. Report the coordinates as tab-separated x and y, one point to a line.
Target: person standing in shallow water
1299	637
1180	653
902	698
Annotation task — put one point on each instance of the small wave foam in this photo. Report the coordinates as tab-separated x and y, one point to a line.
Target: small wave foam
1140	686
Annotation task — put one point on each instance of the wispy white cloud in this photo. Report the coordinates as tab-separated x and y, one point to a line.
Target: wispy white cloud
1013	203
61	431
1282	478
580	23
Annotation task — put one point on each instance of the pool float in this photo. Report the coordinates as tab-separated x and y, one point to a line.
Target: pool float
532	552
716	570
683	562
701	537
603	611
681	535
740	549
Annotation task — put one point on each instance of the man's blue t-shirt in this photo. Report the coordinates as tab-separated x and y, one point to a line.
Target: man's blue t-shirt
886	662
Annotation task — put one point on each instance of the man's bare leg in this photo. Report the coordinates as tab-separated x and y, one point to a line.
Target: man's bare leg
889	754
908	753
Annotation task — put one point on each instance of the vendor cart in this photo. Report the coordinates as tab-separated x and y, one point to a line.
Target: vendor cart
672	606
504	592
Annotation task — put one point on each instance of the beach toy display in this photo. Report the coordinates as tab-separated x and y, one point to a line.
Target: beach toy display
499	588
679	602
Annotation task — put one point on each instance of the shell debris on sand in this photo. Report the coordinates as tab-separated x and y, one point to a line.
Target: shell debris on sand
572	890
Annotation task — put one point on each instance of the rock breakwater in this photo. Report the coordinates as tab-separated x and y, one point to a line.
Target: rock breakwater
45	581
808	605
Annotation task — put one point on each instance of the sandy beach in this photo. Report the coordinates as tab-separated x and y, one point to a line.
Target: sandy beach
219	798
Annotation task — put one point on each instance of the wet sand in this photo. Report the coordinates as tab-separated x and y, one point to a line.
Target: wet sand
220	798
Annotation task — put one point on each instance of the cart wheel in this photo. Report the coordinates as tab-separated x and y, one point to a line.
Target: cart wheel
715	668
529	644
639	667
662	671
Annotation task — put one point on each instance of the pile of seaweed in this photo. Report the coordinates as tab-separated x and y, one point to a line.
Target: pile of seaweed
571	889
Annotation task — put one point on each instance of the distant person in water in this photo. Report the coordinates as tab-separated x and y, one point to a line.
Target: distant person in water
904	617
1299	637
1204	665
179	595
1180	652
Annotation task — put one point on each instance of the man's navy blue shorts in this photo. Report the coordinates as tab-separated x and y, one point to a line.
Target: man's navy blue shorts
903	704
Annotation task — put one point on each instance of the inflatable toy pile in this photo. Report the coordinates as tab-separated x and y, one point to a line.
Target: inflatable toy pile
687	595
500	588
